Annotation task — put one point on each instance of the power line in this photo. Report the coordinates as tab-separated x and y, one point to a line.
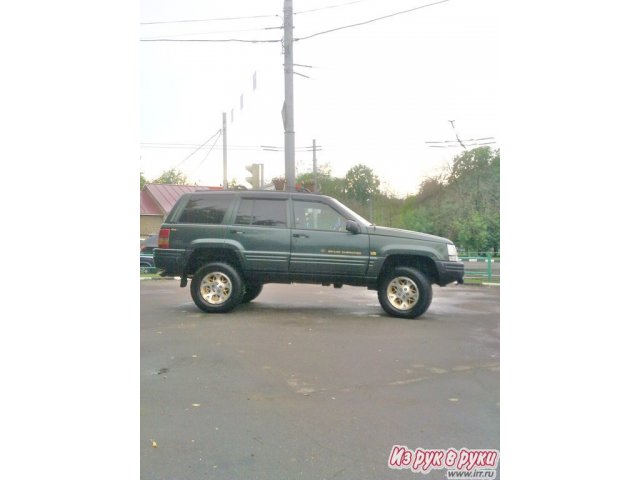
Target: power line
372	20
207	155
220	19
196	150
456	145
190	147
456	141
165	22
246	148
214	33
328	7
208	40
167	39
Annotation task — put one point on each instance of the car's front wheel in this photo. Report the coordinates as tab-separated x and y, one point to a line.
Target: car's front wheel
405	292
217	288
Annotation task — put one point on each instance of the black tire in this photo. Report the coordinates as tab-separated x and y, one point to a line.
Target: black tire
217	288
251	291
405	292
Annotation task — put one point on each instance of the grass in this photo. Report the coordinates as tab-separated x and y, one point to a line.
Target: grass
480	280
149	275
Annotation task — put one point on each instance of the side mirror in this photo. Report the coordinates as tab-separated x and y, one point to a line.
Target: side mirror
353	227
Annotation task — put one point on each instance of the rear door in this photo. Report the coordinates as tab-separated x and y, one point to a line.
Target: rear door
260	230
320	243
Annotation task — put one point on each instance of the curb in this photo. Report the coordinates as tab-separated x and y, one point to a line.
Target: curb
159	278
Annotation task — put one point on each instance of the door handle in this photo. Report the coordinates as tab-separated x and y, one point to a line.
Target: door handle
239	232
300	235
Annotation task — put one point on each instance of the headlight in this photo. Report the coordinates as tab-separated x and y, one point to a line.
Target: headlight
453	253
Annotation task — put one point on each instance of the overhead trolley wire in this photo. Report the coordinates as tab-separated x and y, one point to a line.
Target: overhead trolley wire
370	21
328	7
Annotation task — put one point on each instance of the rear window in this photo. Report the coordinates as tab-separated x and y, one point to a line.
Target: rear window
205	209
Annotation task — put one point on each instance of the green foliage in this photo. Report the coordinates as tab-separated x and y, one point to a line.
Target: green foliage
417	219
307	180
361	183
143	181
473	232
463	205
332	186
173	177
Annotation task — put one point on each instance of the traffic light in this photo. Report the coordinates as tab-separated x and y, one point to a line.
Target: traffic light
255	180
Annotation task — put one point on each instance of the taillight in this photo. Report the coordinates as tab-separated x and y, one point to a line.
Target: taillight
163	238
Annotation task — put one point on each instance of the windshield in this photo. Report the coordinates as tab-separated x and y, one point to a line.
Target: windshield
354	215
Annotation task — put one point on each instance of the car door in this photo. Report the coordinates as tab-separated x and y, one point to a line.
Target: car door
321	245
260	230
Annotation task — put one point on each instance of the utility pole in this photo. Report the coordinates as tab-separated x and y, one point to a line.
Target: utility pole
315	168
289	132
225	185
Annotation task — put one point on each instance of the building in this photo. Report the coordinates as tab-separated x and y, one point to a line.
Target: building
157	200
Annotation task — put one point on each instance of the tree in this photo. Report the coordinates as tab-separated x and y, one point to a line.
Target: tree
473	233
462	204
307	180
143	181
361	183
173	176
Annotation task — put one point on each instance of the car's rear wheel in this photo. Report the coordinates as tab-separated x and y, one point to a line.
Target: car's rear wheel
251	291
405	292
217	288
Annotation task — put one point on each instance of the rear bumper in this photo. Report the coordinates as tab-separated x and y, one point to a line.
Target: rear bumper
170	262
449	272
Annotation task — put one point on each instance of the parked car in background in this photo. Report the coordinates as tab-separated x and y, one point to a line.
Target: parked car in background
146	261
148	244
146	252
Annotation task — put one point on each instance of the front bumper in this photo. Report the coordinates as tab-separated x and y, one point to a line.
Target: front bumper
449	272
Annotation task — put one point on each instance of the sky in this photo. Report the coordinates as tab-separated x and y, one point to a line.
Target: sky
375	93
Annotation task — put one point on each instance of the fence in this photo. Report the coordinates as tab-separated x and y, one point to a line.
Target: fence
481	267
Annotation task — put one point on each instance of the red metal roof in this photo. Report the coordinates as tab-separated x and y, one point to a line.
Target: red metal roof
147	205
165	196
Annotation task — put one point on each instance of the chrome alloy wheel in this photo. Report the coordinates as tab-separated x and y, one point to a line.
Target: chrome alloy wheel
402	293
216	288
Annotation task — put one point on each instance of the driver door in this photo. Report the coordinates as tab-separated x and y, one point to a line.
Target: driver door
320	243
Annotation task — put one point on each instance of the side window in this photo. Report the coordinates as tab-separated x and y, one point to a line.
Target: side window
205	208
266	213
244	217
317	216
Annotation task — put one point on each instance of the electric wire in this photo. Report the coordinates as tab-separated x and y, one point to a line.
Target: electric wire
165	22
328	7
208	40
207	155
456	145
167	39
370	21
213	33
220	19
219	132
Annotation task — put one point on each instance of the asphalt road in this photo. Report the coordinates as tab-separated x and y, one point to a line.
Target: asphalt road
313	382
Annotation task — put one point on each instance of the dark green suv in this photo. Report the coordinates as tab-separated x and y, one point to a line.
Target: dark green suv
230	243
